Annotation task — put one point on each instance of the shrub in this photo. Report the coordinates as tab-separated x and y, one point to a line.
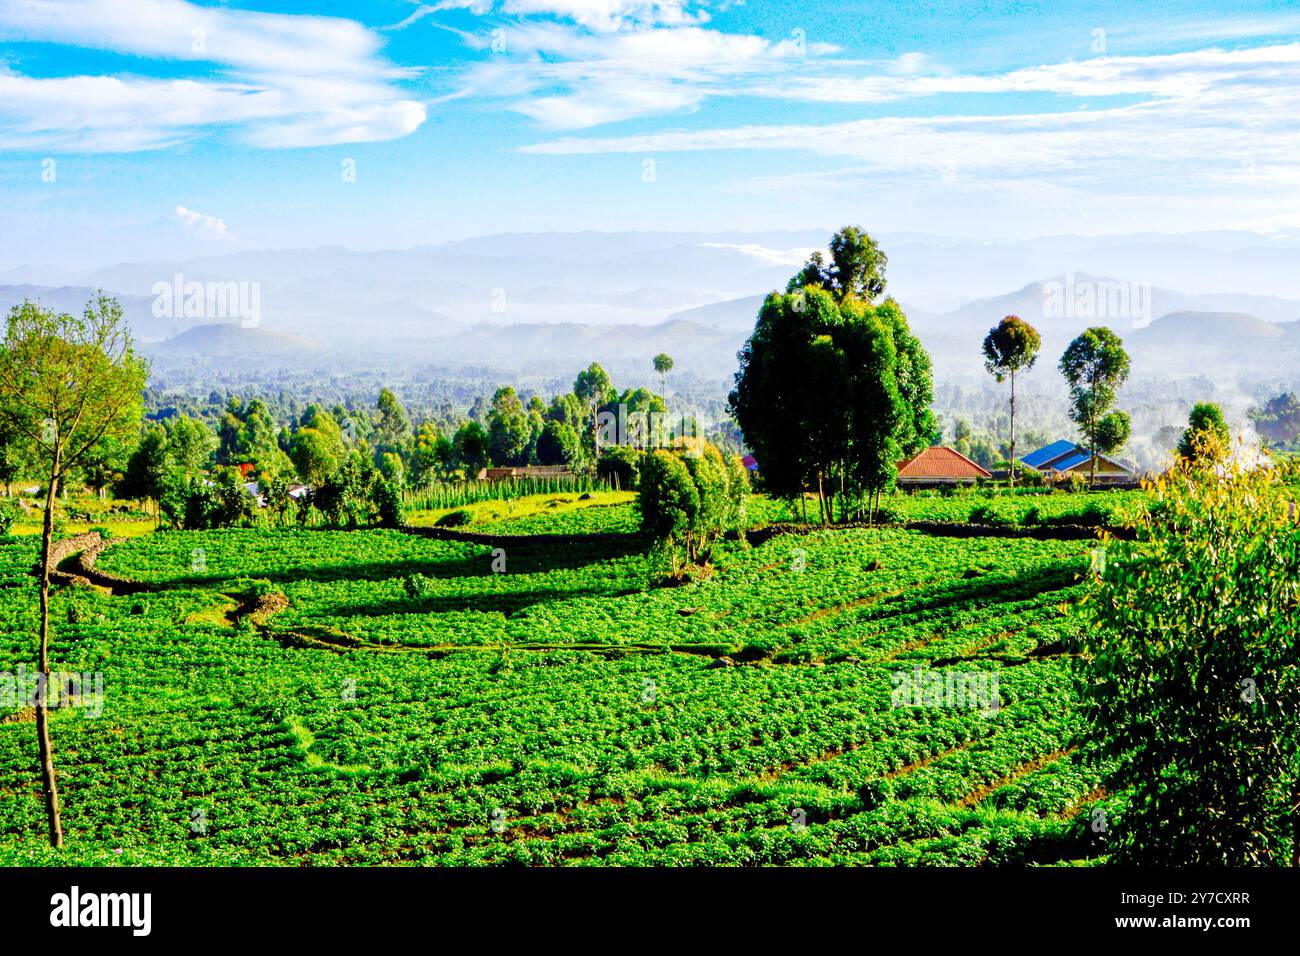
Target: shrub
1030	478
1094	514
888	514
454	519
419	586
1189	671
996	513
8	515
386	493
199	505
620	465
689	503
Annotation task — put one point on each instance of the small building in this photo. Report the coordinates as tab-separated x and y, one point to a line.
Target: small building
524	471
939	465
1063	458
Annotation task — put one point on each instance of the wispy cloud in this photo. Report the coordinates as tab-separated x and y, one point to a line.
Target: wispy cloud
1211	117
569	78
283	80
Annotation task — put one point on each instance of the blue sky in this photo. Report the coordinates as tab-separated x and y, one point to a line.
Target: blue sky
134	129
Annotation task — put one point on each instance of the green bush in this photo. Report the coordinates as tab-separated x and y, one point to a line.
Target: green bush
454	519
1191	671
996	513
689	502
620	466
386	493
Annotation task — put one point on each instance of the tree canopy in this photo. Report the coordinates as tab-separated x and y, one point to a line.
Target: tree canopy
834	390
1095	366
1206	436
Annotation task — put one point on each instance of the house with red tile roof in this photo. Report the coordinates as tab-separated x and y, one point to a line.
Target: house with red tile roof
939	465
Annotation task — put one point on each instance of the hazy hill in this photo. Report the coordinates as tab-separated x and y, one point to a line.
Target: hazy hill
1208	330
733	315
231	341
1035	303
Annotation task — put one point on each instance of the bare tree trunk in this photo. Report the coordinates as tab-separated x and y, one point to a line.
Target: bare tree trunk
42	705
844	498
1012	472
1092	438
1092	465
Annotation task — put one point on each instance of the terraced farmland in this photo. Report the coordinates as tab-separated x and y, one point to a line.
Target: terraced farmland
380	697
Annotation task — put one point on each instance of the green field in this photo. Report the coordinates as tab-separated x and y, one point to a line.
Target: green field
406	704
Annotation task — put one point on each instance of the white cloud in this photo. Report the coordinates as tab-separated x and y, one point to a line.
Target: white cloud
766	255
609	15
1214	118
203	226
568	78
285	80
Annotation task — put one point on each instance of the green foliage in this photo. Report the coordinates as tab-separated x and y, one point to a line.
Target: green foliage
199	504
247	434
620	465
1010	347
831	395
1191	674
190	444
470	449
432	458
475	691
317	451
1095	365
1278	420
668	499
358	494
149	469
276	498
8	515
393	428
689	502
593	388
437	496
509	430
856	267
386	494
1113	430
1206	436
455	519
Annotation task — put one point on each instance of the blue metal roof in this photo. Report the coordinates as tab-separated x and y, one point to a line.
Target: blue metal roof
1041	457
1072	461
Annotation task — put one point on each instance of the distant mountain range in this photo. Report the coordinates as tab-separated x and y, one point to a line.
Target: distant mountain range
507	299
